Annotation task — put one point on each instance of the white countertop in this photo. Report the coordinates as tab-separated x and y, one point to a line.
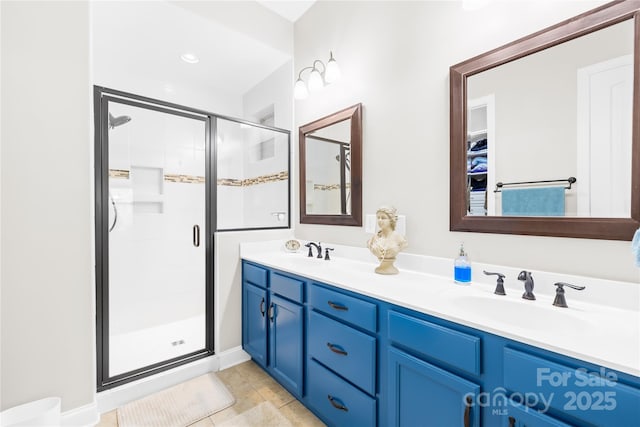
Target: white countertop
605	333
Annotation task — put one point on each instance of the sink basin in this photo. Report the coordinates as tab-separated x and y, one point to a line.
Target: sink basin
525	314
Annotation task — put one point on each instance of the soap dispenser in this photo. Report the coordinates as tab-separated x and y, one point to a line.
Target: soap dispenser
462	268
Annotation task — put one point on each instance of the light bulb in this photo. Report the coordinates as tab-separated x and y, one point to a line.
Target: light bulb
333	71
315	80
300	90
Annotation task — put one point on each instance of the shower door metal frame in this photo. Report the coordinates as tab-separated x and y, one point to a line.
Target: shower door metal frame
102	96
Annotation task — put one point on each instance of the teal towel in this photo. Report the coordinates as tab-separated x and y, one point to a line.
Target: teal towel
539	201
635	247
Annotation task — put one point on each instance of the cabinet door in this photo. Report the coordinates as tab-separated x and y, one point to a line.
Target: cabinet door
421	394
285	343
254	322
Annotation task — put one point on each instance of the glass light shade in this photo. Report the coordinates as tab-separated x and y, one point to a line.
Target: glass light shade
315	80
300	90
333	71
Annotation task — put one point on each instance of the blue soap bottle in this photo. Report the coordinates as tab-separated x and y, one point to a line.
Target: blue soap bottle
462	268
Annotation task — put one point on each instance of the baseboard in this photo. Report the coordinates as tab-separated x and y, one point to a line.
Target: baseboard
232	357
84	416
111	399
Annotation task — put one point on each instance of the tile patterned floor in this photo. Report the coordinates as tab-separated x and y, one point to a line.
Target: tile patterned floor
251	386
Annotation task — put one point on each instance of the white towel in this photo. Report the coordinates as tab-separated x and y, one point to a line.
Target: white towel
635	247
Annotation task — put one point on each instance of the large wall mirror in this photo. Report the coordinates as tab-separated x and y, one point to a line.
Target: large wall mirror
331	169
545	131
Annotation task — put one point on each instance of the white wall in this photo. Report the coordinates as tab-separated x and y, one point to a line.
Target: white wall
47	261
47	220
395	59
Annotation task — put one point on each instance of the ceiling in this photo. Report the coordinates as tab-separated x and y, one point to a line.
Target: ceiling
145	39
291	10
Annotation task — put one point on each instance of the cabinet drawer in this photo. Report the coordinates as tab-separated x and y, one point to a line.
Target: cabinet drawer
576	392
344	307
338	402
254	274
444	344
346	351
287	287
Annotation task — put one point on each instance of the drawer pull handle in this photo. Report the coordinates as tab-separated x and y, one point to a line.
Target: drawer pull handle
336	349
262	307
337	405
467	412
338	306
512	422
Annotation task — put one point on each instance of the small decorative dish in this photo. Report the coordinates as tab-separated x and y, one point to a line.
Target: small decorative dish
292	245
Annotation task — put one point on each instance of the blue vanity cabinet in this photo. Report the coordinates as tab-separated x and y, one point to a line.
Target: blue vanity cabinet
286	343
273	324
254	310
342	357
358	361
421	393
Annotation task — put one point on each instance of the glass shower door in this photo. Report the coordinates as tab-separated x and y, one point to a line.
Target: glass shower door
156	241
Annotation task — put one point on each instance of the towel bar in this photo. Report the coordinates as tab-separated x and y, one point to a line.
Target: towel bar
570	180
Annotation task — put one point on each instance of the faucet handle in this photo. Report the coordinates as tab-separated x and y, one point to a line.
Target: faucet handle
308	245
499	282
326	253
560	300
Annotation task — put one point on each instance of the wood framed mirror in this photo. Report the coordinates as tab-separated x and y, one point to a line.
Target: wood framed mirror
561	145
331	169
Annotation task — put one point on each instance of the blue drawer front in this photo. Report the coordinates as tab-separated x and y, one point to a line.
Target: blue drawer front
346	351
344	307
517	415
573	391
255	275
287	287
328	393
444	344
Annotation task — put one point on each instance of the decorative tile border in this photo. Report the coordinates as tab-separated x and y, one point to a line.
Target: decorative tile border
194	179
185	179
119	173
329	187
280	176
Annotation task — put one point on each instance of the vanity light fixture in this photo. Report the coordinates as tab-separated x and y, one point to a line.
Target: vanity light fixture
189	58
317	80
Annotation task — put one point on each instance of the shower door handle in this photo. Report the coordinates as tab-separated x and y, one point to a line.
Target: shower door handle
196	235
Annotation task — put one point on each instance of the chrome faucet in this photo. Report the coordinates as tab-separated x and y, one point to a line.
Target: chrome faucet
527	278
560	300
317	246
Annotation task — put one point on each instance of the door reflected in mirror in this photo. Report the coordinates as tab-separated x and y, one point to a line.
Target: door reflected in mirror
331	169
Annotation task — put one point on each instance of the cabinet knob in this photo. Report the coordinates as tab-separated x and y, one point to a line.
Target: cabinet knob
262	307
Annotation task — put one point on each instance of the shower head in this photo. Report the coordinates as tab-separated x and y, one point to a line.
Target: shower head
117	121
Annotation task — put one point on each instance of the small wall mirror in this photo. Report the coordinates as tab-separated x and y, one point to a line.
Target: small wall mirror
545	131
331	169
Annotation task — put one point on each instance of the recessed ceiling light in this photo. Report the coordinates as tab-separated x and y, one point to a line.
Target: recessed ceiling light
189	58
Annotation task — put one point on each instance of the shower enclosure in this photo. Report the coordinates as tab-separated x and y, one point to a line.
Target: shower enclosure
155	217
